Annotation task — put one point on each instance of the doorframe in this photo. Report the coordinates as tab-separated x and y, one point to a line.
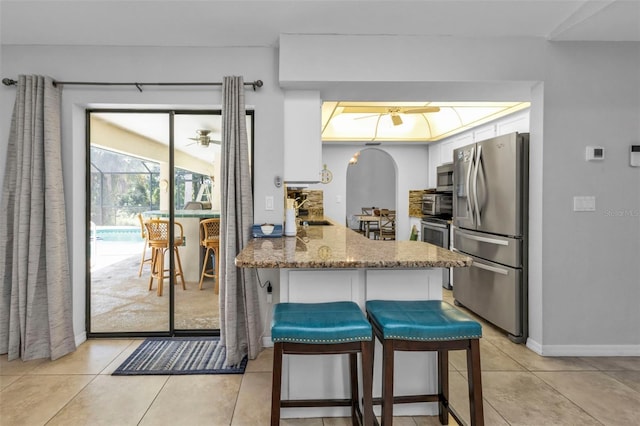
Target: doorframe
171	112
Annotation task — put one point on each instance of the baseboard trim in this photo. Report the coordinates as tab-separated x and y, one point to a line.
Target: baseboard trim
583	350
267	342
80	338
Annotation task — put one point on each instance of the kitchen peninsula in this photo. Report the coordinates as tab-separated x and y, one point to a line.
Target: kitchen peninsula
331	262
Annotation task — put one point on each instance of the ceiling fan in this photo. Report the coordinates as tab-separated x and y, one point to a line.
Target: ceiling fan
393	112
203	138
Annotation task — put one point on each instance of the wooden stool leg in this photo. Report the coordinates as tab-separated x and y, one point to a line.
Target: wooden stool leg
178	270
276	383
160	270
367	382
216	269
443	386
353	373
154	258
204	267
387	383
474	377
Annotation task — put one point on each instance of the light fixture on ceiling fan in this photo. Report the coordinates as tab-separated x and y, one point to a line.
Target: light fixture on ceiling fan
203	138
393	112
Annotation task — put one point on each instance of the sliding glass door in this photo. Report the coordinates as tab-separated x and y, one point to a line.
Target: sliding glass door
152	184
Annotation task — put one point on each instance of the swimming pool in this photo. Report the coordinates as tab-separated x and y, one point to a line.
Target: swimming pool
118	233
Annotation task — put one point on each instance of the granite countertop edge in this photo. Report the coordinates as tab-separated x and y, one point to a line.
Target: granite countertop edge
338	247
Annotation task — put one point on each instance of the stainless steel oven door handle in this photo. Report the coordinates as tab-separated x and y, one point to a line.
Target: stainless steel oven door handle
475	185
434	225
490	268
485	239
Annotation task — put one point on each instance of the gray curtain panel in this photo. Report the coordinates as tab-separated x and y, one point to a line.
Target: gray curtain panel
239	310
36	307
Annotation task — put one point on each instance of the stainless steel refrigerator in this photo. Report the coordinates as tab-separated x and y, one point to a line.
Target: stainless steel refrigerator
490	216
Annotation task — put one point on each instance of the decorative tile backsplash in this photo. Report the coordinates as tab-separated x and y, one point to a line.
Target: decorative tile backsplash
314	206
415	202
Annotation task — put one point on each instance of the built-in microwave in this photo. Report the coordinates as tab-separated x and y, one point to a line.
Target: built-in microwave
444	178
437	205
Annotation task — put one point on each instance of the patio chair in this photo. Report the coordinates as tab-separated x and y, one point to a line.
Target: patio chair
143	234
158	234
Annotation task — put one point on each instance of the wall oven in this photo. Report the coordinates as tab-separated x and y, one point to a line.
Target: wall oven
436	231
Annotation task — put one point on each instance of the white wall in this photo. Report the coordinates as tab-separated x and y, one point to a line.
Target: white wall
584	270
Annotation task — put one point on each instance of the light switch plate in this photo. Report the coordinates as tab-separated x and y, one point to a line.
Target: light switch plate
584	203
268	202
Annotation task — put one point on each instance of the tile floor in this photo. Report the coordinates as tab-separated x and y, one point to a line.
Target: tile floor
520	388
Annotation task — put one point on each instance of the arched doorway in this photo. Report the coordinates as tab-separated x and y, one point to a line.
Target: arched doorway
371	182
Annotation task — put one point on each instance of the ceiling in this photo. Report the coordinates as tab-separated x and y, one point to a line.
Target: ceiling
259	23
155	126
407	121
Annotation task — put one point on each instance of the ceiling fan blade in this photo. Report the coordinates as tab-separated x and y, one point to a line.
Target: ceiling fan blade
369	116
420	110
365	110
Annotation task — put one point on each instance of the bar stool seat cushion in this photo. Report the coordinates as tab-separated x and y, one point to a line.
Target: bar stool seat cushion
423	320
319	323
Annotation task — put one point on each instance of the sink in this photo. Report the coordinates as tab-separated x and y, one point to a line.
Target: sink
316	222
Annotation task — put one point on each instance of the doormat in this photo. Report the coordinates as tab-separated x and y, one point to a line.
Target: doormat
179	356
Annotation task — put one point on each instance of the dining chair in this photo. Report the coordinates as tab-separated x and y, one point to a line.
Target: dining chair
158	234
387	225
210	239
143	234
368	226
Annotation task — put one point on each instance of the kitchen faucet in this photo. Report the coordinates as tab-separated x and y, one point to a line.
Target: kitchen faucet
297	205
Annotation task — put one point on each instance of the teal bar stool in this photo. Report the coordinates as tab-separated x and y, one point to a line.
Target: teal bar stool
324	328
427	325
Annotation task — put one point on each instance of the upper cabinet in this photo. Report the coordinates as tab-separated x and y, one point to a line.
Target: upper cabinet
302	136
442	152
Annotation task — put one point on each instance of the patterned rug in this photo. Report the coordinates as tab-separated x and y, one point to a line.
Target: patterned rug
179	355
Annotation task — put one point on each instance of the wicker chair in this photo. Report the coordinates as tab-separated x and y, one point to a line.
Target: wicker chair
210	239
144	259
158	235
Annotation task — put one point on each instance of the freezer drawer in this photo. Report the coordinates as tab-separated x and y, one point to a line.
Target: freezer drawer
496	248
492	291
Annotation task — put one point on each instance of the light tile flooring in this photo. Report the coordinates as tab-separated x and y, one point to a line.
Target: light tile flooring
520	388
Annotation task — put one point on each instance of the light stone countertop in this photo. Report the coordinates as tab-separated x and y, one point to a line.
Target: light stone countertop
336	246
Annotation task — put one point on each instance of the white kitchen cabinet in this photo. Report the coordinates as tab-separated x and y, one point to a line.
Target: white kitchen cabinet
484	132
514	123
434	161
302	136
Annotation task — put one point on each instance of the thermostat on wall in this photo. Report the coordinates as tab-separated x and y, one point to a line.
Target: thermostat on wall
595	153
634	156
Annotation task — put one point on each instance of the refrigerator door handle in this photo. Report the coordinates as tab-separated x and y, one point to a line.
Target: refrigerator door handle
475	186
490	268
485	239
468	185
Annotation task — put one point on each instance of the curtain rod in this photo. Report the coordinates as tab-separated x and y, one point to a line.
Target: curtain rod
254	84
